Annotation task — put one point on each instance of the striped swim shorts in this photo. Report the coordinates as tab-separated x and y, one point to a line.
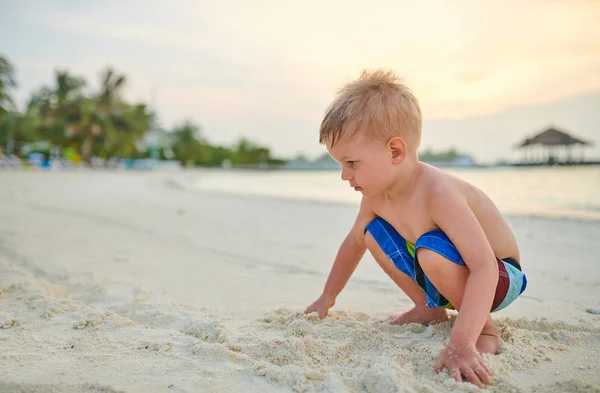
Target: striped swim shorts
511	281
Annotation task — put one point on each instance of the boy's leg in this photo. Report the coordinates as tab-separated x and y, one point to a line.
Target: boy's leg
420	313
450	279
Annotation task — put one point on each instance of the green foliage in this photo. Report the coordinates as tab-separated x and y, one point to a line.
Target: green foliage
7	83
189	146
19	128
103	124
246	153
443	156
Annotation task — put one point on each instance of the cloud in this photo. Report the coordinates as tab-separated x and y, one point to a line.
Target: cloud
511	46
219	62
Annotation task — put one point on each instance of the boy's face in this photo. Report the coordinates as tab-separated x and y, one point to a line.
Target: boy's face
366	165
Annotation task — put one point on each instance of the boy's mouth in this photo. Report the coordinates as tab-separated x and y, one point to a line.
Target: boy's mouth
356	188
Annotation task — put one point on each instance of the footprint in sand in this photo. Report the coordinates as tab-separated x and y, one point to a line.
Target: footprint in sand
6	322
86	319
80	324
208	330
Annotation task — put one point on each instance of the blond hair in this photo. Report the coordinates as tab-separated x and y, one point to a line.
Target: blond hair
376	104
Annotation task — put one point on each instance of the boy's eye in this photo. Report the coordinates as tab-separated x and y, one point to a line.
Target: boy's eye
351	163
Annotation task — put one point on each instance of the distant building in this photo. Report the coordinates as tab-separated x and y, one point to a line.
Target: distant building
552	146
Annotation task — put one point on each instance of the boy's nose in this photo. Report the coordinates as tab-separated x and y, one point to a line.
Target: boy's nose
345	175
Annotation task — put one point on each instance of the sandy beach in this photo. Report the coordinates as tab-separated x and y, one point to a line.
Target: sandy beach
133	282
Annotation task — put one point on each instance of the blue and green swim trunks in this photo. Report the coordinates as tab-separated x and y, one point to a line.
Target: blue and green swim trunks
511	281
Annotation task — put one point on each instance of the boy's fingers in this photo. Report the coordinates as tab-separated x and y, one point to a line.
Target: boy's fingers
455	372
439	365
483	375
310	309
472	377
485	367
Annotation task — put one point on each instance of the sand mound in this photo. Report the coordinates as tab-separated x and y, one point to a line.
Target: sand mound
55	388
284	350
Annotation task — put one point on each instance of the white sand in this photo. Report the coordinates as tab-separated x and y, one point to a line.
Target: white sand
131	282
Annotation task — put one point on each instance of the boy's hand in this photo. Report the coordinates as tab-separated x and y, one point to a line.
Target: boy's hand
321	306
464	363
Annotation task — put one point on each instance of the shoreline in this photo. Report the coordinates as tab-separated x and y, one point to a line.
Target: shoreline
584	216
306	201
176	179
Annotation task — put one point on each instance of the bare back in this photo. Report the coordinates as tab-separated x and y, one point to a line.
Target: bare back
411	218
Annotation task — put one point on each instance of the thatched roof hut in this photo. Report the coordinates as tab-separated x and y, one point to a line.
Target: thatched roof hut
554	137
550	141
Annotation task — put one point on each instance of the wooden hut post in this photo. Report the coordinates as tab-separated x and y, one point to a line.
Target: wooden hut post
544	154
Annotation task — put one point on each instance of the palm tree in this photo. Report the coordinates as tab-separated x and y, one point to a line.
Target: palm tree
58	108
112	84
247	152
7	82
105	116
68	88
131	125
17	130
190	147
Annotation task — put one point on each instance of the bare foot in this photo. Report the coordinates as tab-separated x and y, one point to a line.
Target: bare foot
422	315
489	340
489	344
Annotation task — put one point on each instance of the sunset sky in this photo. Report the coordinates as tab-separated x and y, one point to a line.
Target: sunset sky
487	73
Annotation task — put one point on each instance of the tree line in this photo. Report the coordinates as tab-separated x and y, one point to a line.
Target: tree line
68	117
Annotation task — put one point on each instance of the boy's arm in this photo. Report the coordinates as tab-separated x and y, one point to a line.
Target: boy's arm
453	215
349	254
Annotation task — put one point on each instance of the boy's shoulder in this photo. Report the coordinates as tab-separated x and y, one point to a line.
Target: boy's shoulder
438	185
437	181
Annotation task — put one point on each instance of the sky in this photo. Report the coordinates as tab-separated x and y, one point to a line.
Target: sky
487	74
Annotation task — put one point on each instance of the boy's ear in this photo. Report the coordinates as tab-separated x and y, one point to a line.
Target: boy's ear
397	148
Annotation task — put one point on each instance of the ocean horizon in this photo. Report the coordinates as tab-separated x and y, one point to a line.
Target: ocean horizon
565	192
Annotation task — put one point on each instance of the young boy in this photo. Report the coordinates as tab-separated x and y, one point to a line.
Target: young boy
439	238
